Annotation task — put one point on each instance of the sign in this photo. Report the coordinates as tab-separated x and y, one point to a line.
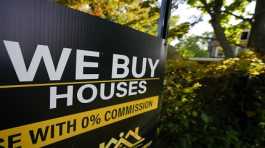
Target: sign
69	79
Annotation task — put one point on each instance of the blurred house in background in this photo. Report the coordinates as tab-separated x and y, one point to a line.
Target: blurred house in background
216	51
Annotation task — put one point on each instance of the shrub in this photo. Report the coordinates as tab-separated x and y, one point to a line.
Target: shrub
218	105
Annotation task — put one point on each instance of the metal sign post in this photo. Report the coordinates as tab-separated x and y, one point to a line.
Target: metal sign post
165	10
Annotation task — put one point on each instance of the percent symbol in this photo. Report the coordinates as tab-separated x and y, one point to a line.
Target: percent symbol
95	119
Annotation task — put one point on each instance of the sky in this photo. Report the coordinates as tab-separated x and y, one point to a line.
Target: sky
185	13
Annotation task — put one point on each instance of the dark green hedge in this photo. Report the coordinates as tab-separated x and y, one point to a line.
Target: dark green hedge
219	105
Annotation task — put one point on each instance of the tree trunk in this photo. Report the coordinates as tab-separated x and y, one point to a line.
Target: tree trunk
257	38
220	36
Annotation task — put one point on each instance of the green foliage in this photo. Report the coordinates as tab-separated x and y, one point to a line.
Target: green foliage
177	30
235	11
192	47
223	14
217	105
233	32
138	14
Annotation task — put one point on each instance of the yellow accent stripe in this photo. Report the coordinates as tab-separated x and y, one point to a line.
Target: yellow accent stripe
97	118
72	83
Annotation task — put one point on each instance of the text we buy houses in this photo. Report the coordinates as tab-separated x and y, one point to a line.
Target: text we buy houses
93	86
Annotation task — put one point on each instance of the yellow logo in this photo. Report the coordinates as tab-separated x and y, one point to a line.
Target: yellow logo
131	140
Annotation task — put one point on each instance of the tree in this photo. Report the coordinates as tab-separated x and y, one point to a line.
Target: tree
138	14
141	15
221	12
177	31
192	46
258	32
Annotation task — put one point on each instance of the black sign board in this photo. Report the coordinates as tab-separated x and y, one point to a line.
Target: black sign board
68	79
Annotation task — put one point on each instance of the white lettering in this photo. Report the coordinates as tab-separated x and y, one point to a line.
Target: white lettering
153	66
81	64
54	96
42	52
116	66
134	68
